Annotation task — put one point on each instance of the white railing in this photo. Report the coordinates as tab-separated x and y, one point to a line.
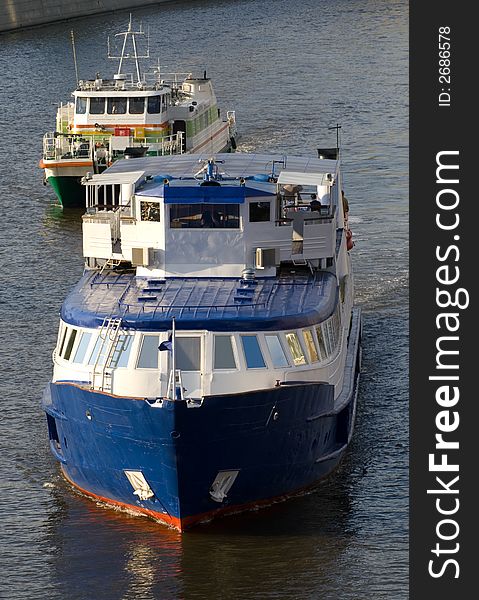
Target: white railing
99	149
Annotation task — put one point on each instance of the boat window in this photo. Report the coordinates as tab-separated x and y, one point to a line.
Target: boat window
148	358
337	325
122	350
259	211
80	106
321	344
188	353
69	346
331	329
276	351
97	106
82	347
310	345
154	105
94	355
62	343
208	216
328	336
224	357
252	352
295	348
150	211
116	106
137	106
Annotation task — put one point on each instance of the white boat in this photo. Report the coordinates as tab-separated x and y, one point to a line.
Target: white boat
208	360
131	115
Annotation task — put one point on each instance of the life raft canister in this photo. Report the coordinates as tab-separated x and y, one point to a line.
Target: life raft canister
349	239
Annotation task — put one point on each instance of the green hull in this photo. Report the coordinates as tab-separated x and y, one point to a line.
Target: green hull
69	191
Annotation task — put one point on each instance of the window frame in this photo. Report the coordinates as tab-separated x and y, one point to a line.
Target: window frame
110	105
136	98
70	344
233	352
78	99
256	337
201	353
83	334
250	205
140	349
128	346
308	348
96	98
298	339
283	350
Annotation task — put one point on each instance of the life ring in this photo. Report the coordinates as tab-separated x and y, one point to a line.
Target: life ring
349	239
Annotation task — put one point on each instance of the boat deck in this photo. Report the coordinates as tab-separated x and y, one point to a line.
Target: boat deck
216	304
230	165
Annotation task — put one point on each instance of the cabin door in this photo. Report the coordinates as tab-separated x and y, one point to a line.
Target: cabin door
180	126
189	360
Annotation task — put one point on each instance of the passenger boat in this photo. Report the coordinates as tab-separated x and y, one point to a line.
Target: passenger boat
208	360
128	116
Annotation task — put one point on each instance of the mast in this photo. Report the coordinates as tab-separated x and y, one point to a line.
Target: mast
130	36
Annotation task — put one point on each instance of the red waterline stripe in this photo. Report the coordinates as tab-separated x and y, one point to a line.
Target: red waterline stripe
181	524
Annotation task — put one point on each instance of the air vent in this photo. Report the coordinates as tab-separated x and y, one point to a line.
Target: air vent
139	257
265	257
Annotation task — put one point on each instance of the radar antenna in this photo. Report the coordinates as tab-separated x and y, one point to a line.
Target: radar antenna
130	37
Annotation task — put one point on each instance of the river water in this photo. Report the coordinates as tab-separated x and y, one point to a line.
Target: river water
290	70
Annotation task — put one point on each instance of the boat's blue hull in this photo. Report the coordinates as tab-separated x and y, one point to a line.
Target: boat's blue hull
280	441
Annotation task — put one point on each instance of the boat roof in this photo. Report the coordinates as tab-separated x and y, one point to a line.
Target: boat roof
230	165
290	301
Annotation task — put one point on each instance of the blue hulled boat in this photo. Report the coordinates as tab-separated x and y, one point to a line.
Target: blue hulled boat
208	359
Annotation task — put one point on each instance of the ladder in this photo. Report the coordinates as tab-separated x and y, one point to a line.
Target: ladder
110	263
109	341
175	392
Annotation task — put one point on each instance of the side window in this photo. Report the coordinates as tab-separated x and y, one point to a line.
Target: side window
63	338
94	355
150	211
116	106
252	352
310	345
80	108
188	353
329	336
154	105
326	329
97	106
224	357
82	347
259	211
122	351
69	345
137	106
278	357
148	358
296	349
209	216
321	344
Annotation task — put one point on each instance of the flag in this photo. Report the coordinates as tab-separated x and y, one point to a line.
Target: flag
166	345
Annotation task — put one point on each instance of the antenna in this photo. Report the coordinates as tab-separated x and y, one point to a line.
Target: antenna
130	36
74	55
337	127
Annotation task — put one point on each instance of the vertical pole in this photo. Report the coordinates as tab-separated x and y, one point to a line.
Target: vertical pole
173	355
74	55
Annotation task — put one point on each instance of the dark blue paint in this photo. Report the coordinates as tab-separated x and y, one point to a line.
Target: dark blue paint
274	456
216	304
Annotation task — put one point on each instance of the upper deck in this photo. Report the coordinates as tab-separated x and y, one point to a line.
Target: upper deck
200	216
